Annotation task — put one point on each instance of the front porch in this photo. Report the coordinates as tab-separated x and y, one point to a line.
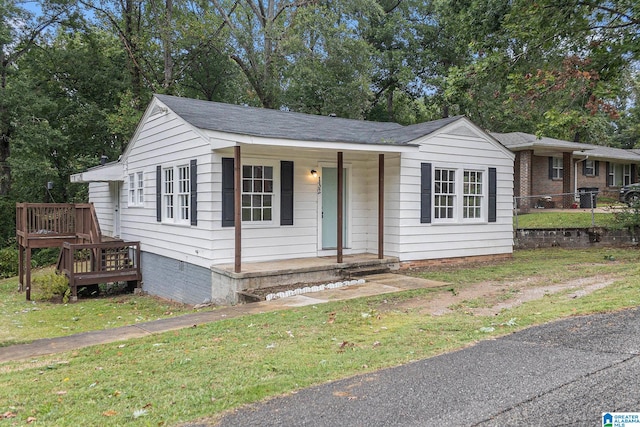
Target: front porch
293	272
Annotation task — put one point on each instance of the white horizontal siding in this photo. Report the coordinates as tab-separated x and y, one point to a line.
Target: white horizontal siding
271	242
100	196
414	240
165	140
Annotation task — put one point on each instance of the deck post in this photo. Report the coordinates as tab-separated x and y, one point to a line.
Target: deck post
237	198
28	275
21	267
380	206
340	207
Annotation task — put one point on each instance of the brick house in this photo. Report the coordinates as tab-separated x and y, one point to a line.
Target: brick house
550	172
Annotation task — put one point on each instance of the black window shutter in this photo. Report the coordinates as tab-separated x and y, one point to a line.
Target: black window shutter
584	168
550	167
227	192
597	166
633	174
158	193
193	191
493	191
609	180
286	193
425	193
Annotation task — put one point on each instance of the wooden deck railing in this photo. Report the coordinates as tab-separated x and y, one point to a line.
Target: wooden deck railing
92	263
41	225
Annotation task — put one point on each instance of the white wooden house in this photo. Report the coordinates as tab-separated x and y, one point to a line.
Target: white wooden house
435	190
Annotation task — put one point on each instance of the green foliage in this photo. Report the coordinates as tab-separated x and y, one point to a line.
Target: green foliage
45	257
8	262
628	217
7	220
52	286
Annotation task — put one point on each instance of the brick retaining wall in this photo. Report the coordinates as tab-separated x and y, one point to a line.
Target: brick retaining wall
573	238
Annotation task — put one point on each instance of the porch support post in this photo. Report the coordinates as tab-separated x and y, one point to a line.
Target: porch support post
237	214
380	206
340	195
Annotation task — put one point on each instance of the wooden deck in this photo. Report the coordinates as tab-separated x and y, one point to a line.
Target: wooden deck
75	229
92	263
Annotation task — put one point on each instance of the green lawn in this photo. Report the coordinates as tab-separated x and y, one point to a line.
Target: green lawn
23	321
199	372
565	219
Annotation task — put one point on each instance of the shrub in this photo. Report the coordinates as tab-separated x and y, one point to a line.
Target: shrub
51	287
628	217
8	262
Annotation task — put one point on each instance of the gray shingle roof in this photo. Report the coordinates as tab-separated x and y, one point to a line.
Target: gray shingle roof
297	126
518	140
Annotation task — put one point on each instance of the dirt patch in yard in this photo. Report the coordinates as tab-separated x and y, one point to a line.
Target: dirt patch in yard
489	299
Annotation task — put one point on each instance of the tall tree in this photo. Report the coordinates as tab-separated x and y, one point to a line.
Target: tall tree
257	28
404	39
19	33
328	65
73	81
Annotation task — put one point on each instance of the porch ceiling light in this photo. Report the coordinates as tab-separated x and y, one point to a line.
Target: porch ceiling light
314	173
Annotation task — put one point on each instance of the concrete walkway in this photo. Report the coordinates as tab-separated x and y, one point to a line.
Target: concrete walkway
374	285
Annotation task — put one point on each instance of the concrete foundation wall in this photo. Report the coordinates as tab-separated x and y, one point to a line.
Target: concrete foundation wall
573	238
175	280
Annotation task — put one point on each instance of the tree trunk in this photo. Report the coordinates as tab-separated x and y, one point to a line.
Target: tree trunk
166	45
5	130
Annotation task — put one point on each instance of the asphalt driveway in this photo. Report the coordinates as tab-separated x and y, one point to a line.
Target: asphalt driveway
564	373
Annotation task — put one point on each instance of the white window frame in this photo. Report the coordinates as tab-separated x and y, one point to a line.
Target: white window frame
444	194
136	189
626	174
473	191
184	193
589	167
611	178
558	168
140	188
251	195
176	194
462	195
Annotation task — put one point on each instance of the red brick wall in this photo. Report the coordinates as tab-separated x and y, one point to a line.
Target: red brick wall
540	182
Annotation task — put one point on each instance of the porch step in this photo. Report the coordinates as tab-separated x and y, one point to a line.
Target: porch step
365	270
248	296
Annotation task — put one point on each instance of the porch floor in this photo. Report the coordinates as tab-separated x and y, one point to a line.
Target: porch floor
305	264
